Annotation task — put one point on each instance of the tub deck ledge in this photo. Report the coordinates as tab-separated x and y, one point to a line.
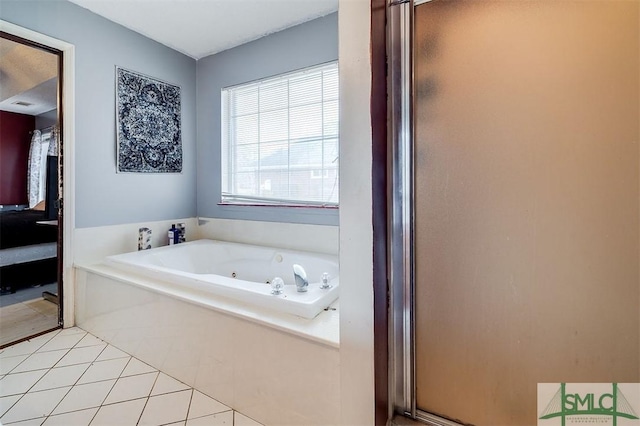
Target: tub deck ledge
324	328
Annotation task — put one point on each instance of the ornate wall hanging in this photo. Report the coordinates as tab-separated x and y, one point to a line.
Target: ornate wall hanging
149	138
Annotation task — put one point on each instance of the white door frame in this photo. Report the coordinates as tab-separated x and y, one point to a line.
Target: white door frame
68	157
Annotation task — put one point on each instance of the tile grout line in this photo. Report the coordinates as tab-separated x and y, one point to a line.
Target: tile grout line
147	400
98	410
91	363
114	382
32	352
212	414
120	376
56	333
210	397
36	382
2	414
150	390
157	373
85	408
46	416
193	392
125	400
244	415
55	387
61	399
78	379
85	362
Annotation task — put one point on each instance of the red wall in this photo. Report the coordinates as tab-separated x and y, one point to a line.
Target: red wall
14	154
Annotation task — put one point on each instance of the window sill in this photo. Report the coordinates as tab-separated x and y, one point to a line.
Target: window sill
289	206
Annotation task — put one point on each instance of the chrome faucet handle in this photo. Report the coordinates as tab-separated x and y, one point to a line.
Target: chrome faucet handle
277	286
325	281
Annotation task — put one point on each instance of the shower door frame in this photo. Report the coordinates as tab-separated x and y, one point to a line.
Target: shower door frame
402	102
401	213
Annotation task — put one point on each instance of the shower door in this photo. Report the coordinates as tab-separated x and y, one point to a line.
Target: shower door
516	216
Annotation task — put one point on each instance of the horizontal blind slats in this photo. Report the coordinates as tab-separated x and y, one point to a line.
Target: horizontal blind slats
280	139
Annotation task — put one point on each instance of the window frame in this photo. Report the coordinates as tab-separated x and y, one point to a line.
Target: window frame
228	199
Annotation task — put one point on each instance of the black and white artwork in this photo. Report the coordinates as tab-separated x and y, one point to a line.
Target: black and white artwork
149	139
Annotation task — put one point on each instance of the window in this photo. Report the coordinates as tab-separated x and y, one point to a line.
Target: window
280	139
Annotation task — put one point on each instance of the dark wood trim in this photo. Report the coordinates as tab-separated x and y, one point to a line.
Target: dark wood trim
29	43
24	339
61	192
60	253
379	120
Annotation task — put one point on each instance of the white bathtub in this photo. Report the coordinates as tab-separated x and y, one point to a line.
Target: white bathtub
239	272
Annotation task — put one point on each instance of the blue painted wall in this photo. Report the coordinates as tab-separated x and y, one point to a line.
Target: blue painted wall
314	42
103	197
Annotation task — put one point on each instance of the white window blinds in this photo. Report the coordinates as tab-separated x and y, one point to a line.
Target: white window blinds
280	139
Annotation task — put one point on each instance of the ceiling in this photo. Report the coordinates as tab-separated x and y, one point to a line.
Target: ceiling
199	28
28	79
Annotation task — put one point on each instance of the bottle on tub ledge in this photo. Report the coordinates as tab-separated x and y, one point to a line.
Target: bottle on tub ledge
176	235
144	239
181	233
173	235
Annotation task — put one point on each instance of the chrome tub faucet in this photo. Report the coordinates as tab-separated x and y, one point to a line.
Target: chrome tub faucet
299	274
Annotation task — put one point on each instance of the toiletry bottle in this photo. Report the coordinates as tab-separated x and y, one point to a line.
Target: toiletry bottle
171	235
181	233
144	239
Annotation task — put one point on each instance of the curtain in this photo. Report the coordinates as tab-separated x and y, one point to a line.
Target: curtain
53	142
37	167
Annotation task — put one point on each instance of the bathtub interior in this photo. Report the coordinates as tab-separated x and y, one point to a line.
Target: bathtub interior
244	262
239	271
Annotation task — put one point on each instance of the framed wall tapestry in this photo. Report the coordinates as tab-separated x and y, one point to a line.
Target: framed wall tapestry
149	138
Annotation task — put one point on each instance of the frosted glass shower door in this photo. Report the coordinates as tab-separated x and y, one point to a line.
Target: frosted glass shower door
526	223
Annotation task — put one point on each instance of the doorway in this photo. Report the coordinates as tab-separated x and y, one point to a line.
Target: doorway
31	186
515	213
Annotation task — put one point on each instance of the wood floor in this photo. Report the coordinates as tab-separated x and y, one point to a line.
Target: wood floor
25	313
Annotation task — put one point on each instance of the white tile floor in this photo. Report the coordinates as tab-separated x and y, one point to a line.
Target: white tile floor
71	378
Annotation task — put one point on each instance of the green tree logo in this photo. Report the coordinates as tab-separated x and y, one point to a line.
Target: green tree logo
613	404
